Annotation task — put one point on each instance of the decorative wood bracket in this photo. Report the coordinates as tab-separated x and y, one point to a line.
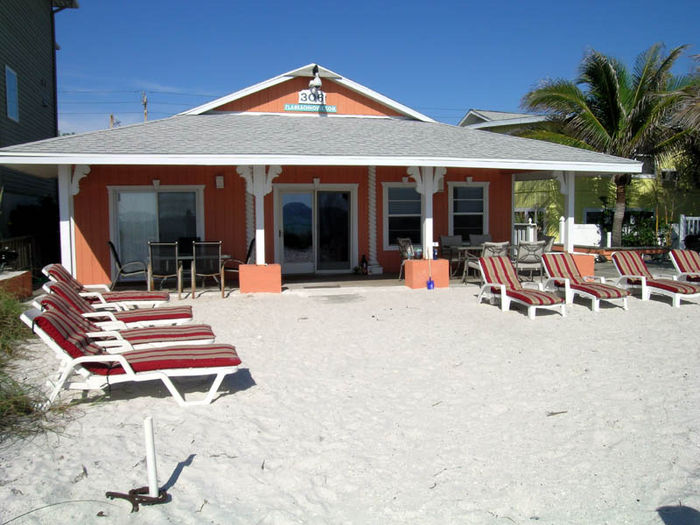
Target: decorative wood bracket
423	175
80	171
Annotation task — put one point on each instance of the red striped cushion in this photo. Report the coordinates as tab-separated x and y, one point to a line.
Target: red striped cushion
57	304
688	261
135	295
59	274
674	286
562	265
155	314
499	270
601	291
171	334
72	296
534	297
630	263
198	356
66	335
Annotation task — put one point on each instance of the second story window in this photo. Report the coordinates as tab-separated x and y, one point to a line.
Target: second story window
11	94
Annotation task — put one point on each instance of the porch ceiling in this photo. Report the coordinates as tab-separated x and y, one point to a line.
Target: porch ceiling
249	139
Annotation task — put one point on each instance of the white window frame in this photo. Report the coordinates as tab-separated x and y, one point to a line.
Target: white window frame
114	191
450	198
12	115
385	208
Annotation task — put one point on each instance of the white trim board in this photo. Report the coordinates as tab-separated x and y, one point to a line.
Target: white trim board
600	168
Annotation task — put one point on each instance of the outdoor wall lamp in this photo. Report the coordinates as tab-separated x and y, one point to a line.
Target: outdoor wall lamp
219	182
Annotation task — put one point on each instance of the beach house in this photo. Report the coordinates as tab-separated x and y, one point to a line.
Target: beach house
319	169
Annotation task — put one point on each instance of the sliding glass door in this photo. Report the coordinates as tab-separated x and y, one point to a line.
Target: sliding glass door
315	230
142	215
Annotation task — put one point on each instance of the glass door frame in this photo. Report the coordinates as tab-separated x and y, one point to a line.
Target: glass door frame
279	189
114	191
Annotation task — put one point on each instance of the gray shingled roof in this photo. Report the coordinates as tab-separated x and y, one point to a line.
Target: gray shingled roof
240	134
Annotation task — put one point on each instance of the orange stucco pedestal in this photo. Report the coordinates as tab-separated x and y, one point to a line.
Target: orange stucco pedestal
418	271
585	263
255	278
17	284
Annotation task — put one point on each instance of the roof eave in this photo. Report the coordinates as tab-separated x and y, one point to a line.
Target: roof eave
27	161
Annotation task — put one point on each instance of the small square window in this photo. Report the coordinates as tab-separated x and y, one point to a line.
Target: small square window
11	94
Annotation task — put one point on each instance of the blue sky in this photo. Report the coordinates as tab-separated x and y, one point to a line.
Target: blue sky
440	58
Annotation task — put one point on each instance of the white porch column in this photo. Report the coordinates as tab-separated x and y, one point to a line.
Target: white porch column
65	208
68	186
567	185
373	265
427	184
259	183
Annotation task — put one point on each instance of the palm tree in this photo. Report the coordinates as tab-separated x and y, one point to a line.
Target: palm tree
616	112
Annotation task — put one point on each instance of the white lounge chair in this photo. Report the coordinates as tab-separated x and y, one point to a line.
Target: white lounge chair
634	274
502	282
79	356
563	273
687	264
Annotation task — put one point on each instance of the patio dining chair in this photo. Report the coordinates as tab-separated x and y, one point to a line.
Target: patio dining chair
449	249
528	256
164	263
233	265
207	262
406	251
489	249
129	269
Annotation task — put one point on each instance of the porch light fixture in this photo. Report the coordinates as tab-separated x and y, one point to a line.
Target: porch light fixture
156	183
315	83
219	182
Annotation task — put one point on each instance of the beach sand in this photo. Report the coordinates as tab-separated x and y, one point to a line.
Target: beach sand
385	405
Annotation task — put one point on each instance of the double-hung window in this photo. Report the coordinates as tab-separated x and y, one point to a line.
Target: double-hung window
468	208
11	94
403	213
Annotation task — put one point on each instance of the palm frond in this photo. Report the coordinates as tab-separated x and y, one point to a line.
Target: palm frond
556	137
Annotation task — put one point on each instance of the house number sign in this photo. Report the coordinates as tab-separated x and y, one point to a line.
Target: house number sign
307	96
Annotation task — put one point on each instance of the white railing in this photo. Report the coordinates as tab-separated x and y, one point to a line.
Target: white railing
524	231
687	226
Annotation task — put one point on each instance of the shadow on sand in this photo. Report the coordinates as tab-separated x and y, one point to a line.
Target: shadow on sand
679	515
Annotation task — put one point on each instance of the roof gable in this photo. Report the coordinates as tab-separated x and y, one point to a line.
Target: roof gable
280	95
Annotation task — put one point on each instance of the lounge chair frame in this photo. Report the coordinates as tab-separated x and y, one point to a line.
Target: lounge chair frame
648	286
505	299
692	260
70	366
552	284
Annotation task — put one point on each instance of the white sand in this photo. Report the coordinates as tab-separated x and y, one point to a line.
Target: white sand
379	405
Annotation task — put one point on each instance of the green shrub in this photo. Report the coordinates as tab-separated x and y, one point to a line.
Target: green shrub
18	405
642	233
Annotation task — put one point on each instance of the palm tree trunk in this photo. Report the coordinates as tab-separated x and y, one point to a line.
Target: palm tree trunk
621	182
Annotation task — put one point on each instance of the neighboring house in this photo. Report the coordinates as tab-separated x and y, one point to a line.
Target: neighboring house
541	200
319	169
27	95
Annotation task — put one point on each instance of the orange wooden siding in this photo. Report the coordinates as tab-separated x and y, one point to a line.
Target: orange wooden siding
224	209
273	99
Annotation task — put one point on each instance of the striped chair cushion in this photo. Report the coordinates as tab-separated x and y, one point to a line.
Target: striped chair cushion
155	314
57	304
135	295
58	273
688	261
534	297
173	334
499	270
630	263
562	265
197	356
674	286
69	338
601	291
72	297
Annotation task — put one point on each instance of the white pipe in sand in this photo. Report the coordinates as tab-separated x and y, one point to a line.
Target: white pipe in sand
151	458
